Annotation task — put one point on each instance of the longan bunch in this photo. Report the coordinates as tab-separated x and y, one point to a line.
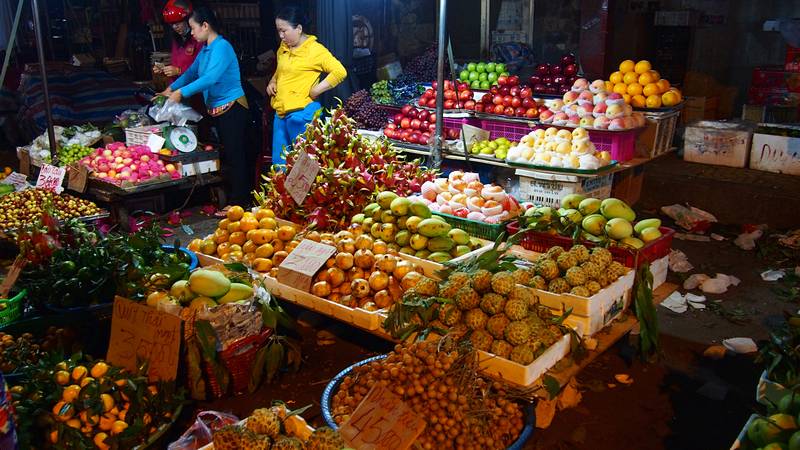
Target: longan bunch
440	383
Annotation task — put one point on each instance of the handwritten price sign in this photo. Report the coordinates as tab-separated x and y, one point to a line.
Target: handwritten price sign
141	333
51	178
298	269
382	421
302	176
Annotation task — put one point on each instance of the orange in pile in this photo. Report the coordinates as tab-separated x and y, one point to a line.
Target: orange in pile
253	238
643	87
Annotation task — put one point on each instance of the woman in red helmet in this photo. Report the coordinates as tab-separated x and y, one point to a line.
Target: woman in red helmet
184	47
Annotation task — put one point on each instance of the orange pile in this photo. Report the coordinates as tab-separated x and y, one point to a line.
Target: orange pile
642	87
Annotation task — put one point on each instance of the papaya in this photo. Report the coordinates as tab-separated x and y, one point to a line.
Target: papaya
439	257
433	228
459	236
440	244
420	209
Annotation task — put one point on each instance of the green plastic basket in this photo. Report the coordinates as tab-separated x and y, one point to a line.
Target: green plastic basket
12	309
483	230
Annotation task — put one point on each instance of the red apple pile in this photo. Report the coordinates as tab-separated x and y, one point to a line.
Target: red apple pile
555	78
458	96
416	126
510	99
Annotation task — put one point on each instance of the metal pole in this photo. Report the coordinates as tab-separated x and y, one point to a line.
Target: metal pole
11	41
51	135
438	142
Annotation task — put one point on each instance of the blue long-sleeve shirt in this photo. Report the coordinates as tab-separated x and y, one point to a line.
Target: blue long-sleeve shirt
215	73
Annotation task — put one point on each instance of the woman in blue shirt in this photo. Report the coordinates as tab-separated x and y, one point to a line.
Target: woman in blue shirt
215	74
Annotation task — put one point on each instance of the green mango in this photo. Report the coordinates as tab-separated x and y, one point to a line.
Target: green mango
433	228
440	244
646	223
439	257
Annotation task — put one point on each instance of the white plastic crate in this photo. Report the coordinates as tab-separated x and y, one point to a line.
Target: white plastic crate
547	188
139	135
199	167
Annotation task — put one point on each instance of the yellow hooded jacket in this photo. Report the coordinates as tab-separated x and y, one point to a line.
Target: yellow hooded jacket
299	70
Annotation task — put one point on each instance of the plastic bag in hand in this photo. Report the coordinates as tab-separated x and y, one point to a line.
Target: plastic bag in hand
175	113
199	434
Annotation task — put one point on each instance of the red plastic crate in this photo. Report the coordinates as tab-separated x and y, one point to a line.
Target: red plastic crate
539	242
456	122
509	130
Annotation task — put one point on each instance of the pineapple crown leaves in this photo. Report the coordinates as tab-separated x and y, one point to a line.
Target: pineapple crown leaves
493	260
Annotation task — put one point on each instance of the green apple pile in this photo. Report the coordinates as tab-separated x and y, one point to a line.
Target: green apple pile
407	226
779	431
497	148
482	75
598	221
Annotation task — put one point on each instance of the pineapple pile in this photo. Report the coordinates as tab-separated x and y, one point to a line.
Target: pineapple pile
577	271
498	312
275	428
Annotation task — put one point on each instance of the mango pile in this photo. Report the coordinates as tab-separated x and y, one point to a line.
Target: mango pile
407	226
205	288
81	404
609	221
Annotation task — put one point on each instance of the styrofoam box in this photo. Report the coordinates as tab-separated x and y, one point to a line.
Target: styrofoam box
659	268
717	143
588	326
587	306
509	371
191	169
779	154
547	188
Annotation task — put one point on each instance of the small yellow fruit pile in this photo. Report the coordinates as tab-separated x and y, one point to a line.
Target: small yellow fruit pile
642	87
256	239
94	404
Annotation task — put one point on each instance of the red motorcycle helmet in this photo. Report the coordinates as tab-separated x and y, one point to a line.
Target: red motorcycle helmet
174	11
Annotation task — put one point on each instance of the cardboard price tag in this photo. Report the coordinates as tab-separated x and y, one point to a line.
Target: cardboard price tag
302	176
155	143
11	278
140	333
298	269
382	421
78	177
473	135
18	180
51	178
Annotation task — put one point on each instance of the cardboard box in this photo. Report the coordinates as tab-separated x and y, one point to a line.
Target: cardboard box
718	143
775	153
700	108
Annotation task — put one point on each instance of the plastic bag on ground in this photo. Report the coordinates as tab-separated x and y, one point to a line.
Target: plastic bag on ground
694	281
175	113
690	218
679	262
199	434
747	241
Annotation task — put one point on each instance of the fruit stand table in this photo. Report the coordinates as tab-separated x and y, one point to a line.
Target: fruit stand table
144	196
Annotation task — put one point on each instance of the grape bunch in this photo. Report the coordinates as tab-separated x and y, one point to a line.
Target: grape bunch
71	153
365	112
423	67
381	94
404	89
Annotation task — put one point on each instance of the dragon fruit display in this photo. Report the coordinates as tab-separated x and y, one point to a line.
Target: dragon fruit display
352	172
463	195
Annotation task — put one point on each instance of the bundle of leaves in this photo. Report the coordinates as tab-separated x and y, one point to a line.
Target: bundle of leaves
352	172
780	355
69	265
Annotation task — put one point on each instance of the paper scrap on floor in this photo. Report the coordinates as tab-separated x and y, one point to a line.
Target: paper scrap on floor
679	262
717	285
747	241
740	345
773	275
690	218
680	303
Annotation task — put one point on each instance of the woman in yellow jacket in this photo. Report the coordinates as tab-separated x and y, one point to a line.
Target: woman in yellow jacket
296	84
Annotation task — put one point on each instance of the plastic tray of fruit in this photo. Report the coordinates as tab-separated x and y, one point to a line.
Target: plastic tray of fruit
361	318
515	373
627	130
538	241
521	120
597	171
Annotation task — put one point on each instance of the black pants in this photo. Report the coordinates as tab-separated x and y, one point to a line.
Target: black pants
236	169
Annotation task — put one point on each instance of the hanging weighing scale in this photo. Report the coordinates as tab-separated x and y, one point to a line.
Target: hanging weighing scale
182	139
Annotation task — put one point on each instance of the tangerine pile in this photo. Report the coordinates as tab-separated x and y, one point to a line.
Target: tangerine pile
641	86
438	380
253	238
75	404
